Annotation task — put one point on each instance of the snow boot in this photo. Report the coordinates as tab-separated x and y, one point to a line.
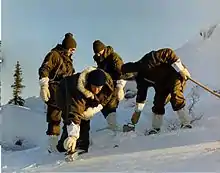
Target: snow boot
184	119
152	131
157	121
128	127
52	143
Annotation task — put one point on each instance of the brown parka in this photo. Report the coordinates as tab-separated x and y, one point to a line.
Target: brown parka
155	70
56	66
74	96
110	62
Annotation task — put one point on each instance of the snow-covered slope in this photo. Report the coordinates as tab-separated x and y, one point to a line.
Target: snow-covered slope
197	149
22	123
201	56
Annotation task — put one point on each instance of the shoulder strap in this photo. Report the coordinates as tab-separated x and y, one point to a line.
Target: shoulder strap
55	75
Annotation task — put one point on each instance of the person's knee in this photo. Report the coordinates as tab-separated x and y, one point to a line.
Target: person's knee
53	128
178	105
177	101
160	110
56	115
53	114
56	129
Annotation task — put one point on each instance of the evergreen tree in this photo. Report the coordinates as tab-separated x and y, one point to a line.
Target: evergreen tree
17	87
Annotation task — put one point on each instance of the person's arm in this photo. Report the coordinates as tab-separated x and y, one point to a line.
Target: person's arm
120	83
50	62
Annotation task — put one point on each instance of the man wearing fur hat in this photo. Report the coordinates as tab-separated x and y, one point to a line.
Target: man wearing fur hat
108	60
80	96
163	70
56	65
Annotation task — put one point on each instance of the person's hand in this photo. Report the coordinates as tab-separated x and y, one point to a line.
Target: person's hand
44	89
135	117
185	74
91	111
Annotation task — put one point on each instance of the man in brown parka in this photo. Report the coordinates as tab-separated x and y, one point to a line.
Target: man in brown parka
163	70
108	60
80	97
56	65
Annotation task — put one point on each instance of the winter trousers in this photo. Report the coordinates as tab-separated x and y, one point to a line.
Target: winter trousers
53	120
171	91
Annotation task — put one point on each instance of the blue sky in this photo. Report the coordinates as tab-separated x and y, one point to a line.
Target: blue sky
30	28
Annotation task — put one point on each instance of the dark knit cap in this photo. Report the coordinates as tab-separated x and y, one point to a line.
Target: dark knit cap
69	41
97	77
98	46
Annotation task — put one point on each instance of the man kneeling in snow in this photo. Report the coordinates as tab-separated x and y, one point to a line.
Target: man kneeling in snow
80	96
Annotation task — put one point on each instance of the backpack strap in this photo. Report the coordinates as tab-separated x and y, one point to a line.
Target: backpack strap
55	75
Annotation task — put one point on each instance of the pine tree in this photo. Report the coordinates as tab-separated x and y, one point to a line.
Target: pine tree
17	87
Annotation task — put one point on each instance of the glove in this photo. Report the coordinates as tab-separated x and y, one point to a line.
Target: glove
91	111
44	89
134	119
185	74
181	69
69	143
120	89
136	115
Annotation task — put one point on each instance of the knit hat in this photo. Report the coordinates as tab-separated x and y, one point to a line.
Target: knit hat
97	77
69	41
98	46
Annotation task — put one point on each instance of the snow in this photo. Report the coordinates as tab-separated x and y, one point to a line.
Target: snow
190	150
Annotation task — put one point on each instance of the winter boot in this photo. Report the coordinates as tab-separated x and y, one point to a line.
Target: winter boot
184	119
157	121
128	127
112	123
52	143
134	120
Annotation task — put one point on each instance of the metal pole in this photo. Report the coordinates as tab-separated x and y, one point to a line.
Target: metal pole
205	88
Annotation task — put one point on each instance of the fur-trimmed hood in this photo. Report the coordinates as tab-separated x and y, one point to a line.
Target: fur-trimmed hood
82	82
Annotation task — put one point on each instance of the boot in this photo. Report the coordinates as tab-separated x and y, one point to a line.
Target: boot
157	121
184	118
128	127
52	143
134	120
112	123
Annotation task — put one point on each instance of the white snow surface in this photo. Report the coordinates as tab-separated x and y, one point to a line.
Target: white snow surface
190	150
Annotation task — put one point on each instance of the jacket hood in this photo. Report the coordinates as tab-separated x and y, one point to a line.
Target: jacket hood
82	82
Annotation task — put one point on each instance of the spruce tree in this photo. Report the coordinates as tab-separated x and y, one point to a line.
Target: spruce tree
17	87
